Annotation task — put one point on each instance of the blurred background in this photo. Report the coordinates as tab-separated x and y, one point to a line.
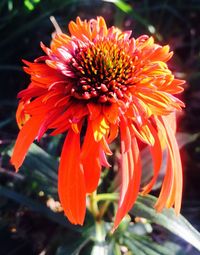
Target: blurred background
30	222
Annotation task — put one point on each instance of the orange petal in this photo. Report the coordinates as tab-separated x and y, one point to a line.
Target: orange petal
171	192
25	137
94	110
131	175
111	112
171	119
113	132
21	116
71	182
49	118
100	128
102	26
167	186
90	160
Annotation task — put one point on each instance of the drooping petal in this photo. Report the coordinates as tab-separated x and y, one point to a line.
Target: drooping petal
90	160
171	119
71	181
171	191
25	137
167	186
130	184
177	164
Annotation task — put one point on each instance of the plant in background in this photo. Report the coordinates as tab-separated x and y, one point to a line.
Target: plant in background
98	84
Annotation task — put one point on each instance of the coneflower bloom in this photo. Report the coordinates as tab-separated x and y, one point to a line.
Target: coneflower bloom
101	83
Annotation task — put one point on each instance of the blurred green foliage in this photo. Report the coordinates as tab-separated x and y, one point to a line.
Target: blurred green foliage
28	222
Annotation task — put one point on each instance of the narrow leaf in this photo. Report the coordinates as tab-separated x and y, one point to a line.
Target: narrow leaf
37	207
144	207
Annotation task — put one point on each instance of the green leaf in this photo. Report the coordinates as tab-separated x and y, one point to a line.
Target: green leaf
146	245
38	159
101	248
127	8
37	207
185	138
41	167
73	246
144	207
5	122
123	6
30	5
134	248
113	248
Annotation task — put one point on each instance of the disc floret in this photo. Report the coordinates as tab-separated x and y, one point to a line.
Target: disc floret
103	72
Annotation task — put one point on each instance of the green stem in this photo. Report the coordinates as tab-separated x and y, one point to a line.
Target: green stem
103	209
93	205
100	232
106	196
95	198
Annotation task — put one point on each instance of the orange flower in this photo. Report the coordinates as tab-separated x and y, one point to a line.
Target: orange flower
97	82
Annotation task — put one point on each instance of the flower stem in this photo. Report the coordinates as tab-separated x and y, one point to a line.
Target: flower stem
100	232
107	196
93	205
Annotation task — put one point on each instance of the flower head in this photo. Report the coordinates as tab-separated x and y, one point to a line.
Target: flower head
106	82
